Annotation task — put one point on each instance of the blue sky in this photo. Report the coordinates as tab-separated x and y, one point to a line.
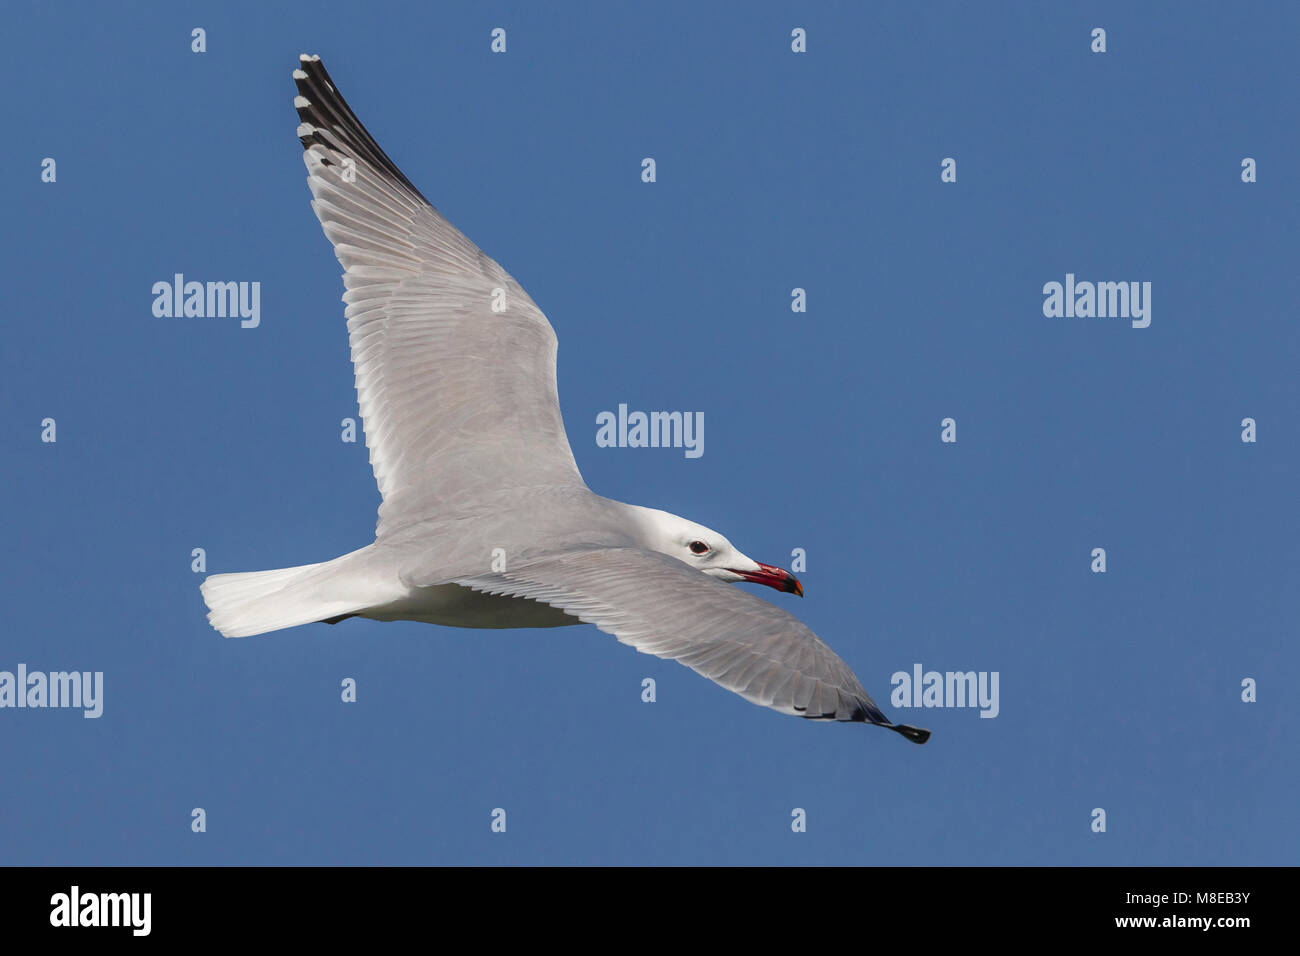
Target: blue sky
775	170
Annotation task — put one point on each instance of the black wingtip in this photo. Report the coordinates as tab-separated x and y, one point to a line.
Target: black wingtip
868	713
917	735
323	110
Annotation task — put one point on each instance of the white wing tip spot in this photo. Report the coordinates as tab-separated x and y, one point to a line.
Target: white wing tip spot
305	129
301	102
308	58
299	75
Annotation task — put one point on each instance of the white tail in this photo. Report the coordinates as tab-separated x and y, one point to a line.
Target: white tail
254	602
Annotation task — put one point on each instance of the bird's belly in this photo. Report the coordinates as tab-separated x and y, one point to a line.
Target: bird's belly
452	605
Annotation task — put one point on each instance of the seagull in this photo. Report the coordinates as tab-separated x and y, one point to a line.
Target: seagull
484	520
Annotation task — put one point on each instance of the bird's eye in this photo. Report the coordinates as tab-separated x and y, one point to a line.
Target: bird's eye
698	547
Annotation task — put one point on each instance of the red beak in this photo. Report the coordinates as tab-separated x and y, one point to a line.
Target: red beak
773	577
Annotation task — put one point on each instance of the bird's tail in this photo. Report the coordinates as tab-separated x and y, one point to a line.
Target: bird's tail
254	602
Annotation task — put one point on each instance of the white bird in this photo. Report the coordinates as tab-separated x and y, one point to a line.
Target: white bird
485	520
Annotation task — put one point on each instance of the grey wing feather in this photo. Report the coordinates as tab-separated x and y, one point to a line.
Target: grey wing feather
457	399
661	606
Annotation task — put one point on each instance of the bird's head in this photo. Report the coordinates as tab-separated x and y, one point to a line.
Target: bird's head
708	551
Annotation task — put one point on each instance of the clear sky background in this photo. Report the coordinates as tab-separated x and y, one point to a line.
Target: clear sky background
775	170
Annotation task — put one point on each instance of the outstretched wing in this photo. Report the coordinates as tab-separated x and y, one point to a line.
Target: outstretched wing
455	364
661	606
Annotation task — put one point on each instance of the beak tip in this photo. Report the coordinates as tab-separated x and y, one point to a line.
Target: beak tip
773	577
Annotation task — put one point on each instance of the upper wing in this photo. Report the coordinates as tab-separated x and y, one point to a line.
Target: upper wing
663	607
455	364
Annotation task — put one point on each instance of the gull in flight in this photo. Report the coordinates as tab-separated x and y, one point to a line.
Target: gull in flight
485	520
